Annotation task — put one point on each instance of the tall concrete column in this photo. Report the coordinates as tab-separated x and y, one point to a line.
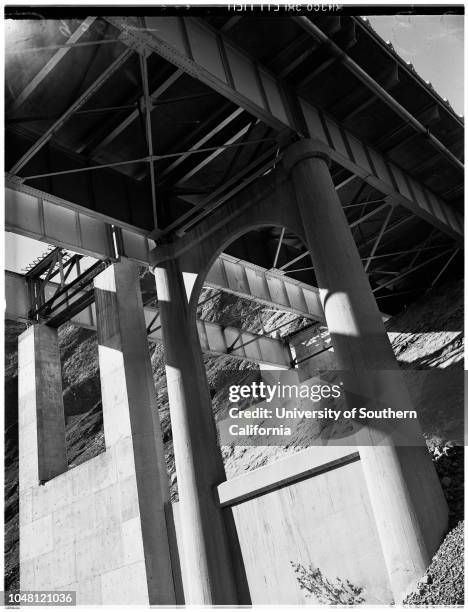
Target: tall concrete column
41	437
131	423
199	465
42	451
398	477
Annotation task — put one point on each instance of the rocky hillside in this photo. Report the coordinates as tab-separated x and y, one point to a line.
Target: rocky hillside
442	585
427	335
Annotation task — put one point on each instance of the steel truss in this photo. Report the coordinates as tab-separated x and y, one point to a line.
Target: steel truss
214	61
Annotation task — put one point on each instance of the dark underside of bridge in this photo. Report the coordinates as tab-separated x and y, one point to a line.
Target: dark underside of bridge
81	92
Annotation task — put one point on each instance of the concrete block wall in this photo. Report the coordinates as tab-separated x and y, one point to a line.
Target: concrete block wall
81	531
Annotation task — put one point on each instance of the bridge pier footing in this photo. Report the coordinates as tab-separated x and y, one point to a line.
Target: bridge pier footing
398	470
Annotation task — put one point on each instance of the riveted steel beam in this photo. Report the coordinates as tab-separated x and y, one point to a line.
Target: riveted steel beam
41	216
209	56
215	339
377	89
267	287
212	58
29	212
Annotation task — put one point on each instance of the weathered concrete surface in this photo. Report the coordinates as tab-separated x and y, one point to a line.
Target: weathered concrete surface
100	528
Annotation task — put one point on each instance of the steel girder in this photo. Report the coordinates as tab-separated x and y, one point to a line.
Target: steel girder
209	56
215	339
32	213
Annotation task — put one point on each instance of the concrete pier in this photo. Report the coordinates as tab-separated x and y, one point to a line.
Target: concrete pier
370	371
42	452
104	527
207	558
131	415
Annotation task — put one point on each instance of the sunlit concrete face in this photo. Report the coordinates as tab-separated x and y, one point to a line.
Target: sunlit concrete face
130	409
338	308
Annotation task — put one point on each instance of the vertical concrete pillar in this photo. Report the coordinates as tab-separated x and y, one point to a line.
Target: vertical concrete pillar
41	436
396	476
199	465
42	451
131	422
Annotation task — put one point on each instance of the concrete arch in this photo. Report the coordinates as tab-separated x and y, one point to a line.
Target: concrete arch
270	202
203	273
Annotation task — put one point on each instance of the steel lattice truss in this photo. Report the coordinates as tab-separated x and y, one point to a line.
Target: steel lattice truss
141	126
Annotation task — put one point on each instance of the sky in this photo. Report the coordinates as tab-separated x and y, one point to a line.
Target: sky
432	43
20	251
